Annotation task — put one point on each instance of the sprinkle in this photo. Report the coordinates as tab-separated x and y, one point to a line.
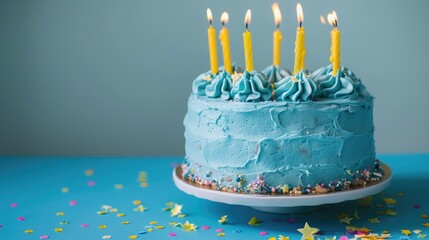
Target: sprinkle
118	186
416	206
144	184
106	207
113	210
390	212
101	212
426	224
28	231
417	231
21	218
84	225
133	237
153	222
172	234
89	172
219	230
142	232
406	232
1	225
64	222
281	237
121	215
140	208
137	202
159	227
236	231
373	220
106	237
291	220
13	205
65	189
91	183
149	229
44	237
263	233
58	229
272	238
424	216
181	215
73	202
176	210
172	223
59	214
205	227
389	201
125	222
102	226
223	219
221	234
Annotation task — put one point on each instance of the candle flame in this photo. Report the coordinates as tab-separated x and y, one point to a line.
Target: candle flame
224	18
333	19
322	19
299	13
248	17
209	15
277	14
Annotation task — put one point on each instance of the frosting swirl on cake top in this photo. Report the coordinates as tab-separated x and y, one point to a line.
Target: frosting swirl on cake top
251	87
295	88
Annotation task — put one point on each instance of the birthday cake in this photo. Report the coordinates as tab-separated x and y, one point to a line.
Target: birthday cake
273	132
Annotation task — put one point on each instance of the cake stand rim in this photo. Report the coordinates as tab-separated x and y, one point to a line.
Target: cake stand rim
257	200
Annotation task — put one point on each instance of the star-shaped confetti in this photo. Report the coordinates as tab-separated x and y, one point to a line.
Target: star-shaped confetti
254	222
140	208
389	201
390	212
373	220
406	232
223	219
281	237
207	77
176	210
307	232
345	220
187	227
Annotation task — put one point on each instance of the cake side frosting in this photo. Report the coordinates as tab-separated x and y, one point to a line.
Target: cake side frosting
279	143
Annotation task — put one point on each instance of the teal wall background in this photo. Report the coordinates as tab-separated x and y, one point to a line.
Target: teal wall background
108	77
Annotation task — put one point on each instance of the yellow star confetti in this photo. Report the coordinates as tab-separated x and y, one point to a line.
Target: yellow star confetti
28	231
389	201
424	216
307	232
272	238
406	232
285	189
281	237
102	226
390	212
121	215
137	202
159	227
59	214
140	208
149	229
176	210
221	234
106	237
153	222
345	220
133	237
223	219
58	229
187	227
373	220
254	222
426	224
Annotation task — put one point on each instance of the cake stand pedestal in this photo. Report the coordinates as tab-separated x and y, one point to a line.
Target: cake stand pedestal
281	203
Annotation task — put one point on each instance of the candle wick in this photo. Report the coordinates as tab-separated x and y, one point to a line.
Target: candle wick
247	25
278	25
223	23
210	21
300	24
336	23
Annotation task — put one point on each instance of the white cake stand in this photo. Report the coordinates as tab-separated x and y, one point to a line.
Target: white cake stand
281	203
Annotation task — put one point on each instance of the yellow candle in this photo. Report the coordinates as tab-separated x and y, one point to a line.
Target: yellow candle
335	44
224	41
247	40
299	42
277	35
211	32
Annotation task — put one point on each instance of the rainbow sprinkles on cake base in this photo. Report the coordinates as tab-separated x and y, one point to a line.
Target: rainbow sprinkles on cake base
282	134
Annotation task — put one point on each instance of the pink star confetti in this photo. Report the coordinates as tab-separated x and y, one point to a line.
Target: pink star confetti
1	225
219	230
44	237
344	238
72	202
13	205
172	234
91	183
263	233
205	227
84	225
416	206
21	218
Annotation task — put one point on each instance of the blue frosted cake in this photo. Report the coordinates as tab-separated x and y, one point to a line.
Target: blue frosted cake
302	134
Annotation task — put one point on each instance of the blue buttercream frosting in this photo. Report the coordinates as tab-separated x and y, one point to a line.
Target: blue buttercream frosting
251	87
295	88
275	73
220	86
201	82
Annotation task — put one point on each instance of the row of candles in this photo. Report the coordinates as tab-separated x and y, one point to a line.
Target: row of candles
300	51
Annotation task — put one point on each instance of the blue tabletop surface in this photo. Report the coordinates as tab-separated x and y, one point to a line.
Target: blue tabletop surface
61	198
